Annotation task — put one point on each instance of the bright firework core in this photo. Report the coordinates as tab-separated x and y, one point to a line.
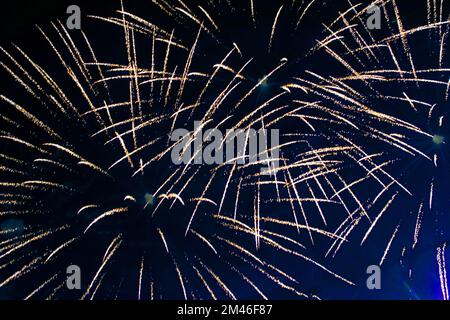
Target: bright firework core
438	139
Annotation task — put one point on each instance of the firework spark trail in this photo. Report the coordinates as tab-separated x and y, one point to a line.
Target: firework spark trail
55	163
272	277
315	177
282	222
301	206
440	257
238	190
175	196
205	241
372	163
386	251
204	282
219	281
180	277
272	34
189	180
304	13
25	73
50	81
41	286
14	241
104	215
89	206
163	240
378	218
252	284
23	271
343	231
102	266
75	79
61	247
246	229
272	243
75	54
226	186
36	237
198	204
97	287
430	203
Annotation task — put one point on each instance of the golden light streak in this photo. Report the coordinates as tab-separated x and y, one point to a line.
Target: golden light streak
372	225
104	215
440	257
273	28
389	245
100	269
61	247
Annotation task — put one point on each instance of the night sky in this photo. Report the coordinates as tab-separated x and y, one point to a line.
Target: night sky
364	117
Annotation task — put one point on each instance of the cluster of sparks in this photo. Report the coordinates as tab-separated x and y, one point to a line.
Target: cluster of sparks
338	140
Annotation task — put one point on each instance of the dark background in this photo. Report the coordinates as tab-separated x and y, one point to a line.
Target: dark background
17	19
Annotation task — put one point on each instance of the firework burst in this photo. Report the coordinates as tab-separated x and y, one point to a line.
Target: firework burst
87	176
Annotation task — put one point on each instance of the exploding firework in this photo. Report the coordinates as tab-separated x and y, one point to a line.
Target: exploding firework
88	176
